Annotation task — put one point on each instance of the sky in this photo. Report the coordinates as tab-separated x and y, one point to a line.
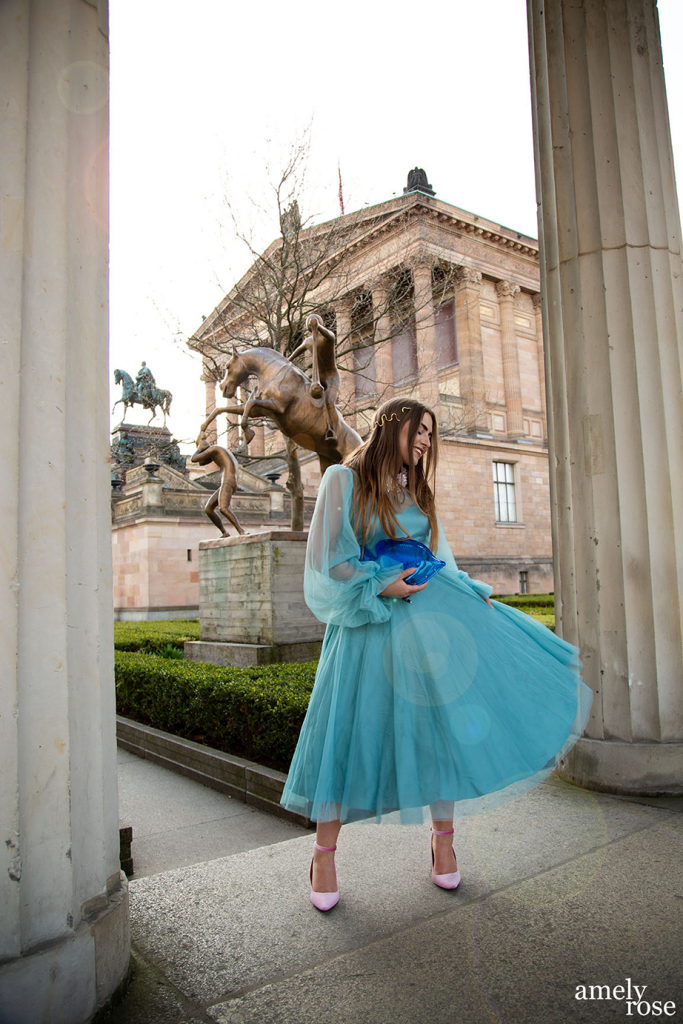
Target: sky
208	98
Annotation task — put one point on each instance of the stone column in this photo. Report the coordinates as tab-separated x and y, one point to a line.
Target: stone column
513	389
612	294
468	324
210	386
64	943
425	338
384	327
540	350
347	395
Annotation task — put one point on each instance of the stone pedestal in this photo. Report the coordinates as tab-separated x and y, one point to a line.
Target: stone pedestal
612	295
64	942
143	441
251	603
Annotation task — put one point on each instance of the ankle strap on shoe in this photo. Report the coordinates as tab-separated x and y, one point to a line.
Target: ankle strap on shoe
437	833
325	849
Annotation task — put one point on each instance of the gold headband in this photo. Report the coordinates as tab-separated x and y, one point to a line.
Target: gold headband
387	419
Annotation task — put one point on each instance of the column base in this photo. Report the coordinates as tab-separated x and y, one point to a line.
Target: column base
628	769
69	980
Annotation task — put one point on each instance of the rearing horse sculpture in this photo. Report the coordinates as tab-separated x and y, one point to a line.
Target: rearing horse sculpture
284	395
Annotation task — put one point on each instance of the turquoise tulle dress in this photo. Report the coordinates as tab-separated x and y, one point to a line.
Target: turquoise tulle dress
444	701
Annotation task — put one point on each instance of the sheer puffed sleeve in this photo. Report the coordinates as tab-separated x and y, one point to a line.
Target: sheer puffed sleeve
446	555
338	587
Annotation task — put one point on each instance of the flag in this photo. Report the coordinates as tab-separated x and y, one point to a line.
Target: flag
341	193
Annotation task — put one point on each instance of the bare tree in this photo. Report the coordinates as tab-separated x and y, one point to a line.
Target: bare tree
314	268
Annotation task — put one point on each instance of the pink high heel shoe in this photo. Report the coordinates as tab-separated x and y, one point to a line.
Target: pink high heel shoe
323	900
452	879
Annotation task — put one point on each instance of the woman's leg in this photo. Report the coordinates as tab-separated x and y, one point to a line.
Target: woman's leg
324	877
444	855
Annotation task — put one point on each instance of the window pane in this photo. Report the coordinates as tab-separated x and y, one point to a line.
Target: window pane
504	492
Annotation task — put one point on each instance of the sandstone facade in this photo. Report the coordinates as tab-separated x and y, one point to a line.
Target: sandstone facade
473	349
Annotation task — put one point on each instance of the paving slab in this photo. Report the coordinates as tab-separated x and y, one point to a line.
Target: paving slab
178	822
238	922
515	956
560	888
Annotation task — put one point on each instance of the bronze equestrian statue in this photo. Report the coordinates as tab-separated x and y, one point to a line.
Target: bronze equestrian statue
303	410
143	391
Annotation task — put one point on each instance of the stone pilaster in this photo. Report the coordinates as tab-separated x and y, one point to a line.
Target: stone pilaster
64	943
513	389
468	324
540	350
384	366
427	363
613	291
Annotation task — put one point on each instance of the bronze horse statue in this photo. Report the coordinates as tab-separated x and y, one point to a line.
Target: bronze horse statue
288	397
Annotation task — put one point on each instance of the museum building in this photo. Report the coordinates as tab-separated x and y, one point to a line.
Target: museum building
431	301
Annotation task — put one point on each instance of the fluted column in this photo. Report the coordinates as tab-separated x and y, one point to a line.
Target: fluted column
64	943
384	366
513	389
613	293
471	355
540	352
347	393
425	336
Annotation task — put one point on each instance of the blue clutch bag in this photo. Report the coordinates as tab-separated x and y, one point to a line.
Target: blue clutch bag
405	553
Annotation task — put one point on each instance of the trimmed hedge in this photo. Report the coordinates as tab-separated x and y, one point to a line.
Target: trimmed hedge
522	600
153	637
255	713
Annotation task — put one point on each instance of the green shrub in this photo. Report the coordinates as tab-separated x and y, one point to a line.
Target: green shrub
154	637
522	600
169	651
255	713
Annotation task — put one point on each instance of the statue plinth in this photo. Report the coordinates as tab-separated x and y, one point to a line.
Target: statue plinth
251	604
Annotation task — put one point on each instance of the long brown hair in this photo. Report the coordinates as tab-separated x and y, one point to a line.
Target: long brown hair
377	464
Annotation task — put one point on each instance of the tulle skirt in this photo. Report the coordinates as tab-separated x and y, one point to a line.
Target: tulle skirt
451	705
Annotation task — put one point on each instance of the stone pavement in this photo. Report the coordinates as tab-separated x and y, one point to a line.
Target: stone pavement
561	888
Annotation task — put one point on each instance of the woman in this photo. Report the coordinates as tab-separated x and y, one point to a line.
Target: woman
425	695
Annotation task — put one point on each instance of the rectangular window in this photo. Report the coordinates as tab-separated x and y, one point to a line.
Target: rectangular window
446	342
504	492
523	582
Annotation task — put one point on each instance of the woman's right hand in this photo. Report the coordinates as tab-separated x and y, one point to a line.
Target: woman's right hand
399	588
